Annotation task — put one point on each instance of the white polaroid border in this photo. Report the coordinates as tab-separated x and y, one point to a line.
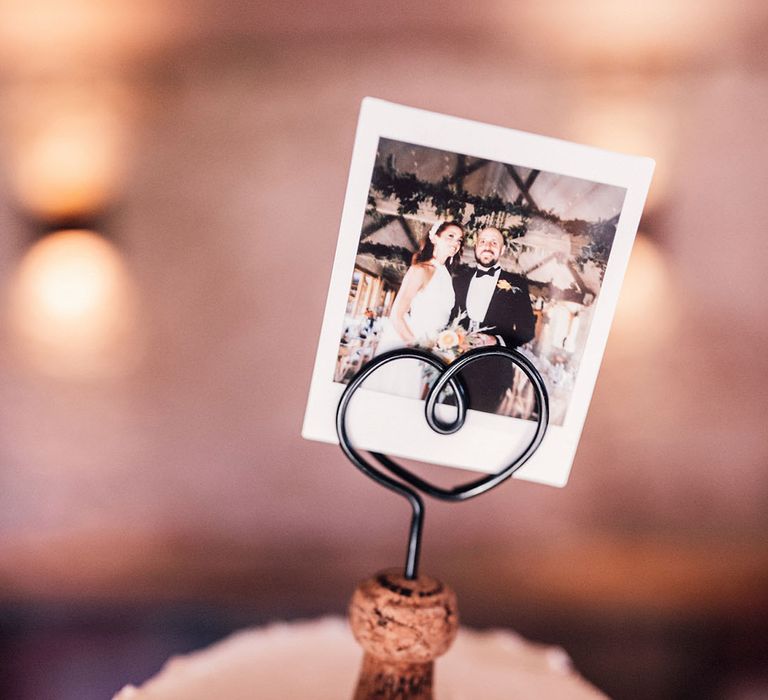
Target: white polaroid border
396	426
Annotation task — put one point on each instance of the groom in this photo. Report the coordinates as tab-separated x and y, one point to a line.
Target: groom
498	301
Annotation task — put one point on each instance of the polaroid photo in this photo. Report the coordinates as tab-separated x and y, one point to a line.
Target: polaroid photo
456	234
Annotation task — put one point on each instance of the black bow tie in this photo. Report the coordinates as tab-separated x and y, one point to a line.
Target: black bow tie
490	272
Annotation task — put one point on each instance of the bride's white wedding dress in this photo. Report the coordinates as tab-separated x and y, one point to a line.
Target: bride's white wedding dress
430	312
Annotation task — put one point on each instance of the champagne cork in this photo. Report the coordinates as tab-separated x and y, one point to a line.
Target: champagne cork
403	626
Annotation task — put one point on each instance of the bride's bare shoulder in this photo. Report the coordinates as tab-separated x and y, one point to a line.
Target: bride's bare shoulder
421	270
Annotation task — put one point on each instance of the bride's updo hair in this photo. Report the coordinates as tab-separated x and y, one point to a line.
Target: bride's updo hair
427	250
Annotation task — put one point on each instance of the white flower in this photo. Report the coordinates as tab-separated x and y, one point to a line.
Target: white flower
447	339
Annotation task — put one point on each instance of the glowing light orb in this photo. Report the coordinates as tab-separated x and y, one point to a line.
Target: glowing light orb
73	306
647	306
67	154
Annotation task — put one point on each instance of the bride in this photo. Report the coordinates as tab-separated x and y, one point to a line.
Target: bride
421	308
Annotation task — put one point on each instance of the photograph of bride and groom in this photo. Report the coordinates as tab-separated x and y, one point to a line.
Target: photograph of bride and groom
457	252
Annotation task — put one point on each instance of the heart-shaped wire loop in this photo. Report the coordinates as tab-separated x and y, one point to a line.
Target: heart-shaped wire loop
448	376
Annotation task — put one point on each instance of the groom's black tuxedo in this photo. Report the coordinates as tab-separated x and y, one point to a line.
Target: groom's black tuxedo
510	317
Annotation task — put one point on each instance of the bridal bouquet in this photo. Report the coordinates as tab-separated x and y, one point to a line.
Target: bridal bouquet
453	340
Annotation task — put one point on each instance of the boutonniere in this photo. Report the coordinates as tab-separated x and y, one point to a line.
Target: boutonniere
505	286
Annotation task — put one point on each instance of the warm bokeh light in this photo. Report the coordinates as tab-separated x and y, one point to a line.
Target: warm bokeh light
646	308
625	121
68	146
73	306
604	32
50	35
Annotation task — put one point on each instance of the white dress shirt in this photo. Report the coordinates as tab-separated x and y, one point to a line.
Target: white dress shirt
479	298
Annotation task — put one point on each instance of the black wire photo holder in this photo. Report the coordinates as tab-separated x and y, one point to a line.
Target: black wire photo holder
408	484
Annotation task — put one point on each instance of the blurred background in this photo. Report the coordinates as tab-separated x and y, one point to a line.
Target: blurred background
171	181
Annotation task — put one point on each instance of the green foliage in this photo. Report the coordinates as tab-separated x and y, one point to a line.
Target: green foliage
600	235
385	253
451	201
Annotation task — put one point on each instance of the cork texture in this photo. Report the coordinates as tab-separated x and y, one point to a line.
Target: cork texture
402	621
380	680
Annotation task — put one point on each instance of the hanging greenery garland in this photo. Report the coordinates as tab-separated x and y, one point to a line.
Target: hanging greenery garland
450	201
394	255
447	198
